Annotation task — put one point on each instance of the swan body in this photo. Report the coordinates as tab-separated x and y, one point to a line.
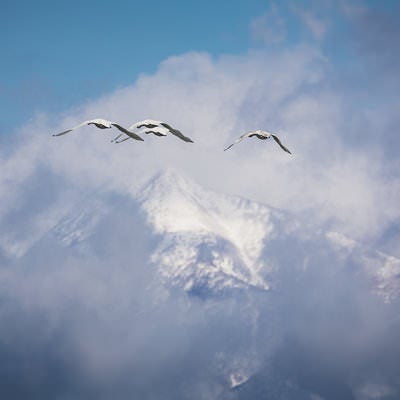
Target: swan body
260	134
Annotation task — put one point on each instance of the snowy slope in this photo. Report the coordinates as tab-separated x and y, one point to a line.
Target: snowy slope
185	267
212	240
209	240
204	241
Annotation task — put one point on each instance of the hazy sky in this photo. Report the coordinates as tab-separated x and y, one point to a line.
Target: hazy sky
78	321
322	73
56	56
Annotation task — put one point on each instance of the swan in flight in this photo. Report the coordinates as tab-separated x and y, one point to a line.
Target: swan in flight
158	128
260	135
102	124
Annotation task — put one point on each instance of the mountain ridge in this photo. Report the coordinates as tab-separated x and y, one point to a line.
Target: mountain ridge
207	242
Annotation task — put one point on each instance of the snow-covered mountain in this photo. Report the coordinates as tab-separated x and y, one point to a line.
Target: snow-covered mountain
259	290
208	242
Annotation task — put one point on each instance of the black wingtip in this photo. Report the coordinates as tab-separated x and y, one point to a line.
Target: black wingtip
184	138
136	137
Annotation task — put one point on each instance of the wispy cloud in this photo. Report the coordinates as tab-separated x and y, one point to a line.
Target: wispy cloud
317	25
270	27
214	101
81	321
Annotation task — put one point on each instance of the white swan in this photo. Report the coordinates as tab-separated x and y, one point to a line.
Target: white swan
102	124
260	135
158	128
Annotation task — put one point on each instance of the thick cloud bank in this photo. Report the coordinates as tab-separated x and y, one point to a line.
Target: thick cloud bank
84	311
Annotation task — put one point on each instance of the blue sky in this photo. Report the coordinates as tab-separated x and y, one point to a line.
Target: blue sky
81	266
58	55
323	70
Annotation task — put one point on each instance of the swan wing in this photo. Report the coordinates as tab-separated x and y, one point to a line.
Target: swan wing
147	123
72	129
239	139
280	144
129	133
177	133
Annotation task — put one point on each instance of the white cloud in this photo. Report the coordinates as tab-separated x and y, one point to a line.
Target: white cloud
269	27
109	306
214	101
317	25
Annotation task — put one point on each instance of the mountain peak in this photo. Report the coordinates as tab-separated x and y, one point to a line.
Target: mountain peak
188	215
202	240
166	182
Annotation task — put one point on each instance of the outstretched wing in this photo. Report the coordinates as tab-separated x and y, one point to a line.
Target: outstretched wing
121	140
117	137
72	129
239	139
280	144
129	133
147	123
177	133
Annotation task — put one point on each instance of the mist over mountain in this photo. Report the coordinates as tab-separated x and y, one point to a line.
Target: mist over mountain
176	291
171	270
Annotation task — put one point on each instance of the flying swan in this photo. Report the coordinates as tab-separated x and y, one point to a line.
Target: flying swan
102	124
260	135
158	128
